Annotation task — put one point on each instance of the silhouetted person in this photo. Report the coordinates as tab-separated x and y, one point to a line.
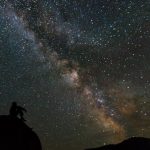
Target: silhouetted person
17	111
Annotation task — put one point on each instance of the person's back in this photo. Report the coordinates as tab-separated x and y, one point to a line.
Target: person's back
13	109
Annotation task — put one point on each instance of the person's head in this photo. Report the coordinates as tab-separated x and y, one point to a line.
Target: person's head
14	103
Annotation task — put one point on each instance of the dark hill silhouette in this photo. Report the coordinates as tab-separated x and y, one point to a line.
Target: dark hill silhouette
135	143
16	135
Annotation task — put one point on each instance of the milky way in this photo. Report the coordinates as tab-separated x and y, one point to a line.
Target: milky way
81	69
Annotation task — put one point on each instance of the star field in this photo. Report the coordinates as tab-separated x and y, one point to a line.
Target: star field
81	69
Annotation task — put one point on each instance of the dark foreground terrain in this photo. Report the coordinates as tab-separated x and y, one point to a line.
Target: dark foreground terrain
16	135
136	143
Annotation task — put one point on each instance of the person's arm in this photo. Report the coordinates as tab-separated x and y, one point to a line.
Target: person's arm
23	109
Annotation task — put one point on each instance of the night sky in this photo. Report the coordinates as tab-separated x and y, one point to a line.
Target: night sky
80	67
